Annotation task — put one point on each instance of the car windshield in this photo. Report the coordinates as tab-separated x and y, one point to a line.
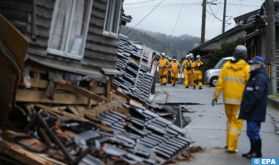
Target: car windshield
220	64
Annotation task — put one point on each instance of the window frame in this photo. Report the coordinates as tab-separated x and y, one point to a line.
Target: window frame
64	52
110	33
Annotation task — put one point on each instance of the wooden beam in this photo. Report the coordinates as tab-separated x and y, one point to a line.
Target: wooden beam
82	91
59	98
108	89
38	83
22	155
12	35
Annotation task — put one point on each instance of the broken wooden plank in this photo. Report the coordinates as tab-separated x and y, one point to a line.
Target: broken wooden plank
108	88
22	155
57	111
33	144
12	35
82	91
38	83
59	98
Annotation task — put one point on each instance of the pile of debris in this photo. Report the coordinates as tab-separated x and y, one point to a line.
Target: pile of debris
64	135
137	79
59	117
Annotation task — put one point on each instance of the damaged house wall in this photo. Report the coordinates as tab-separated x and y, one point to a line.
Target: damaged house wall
35	19
72	40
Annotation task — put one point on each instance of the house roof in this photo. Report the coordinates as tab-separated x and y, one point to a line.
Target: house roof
245	16
252	20
235	32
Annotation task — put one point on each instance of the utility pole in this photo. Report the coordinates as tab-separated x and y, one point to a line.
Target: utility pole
203	21
270	44
224	16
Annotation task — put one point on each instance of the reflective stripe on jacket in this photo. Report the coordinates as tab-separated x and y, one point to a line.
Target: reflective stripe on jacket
232	81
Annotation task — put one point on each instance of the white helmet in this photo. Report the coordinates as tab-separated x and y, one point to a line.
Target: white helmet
198	57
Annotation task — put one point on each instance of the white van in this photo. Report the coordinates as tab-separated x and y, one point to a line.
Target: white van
211	75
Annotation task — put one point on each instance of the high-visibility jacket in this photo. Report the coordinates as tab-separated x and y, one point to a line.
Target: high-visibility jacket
163	66
197	65
187	65
232	81
174	67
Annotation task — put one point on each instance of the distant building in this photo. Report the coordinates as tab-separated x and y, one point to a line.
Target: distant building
250	26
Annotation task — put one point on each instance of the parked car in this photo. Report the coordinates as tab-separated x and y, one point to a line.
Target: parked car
211	75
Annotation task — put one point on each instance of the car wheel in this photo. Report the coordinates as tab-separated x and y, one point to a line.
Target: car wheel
213	81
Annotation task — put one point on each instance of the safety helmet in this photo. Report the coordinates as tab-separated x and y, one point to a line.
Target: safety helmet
191	55
198	57
240	52
163	54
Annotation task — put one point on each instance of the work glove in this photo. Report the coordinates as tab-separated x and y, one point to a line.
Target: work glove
214	102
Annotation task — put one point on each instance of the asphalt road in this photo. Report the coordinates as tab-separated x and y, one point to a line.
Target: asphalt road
208	125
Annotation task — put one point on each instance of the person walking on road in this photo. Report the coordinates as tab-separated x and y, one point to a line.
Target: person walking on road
198	65
232	81
253	105
174	70
163	69
187	71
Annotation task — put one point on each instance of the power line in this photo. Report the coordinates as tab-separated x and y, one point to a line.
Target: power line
141	2
168	5
149	13
194	4
177	18
213	14
216	13
237	4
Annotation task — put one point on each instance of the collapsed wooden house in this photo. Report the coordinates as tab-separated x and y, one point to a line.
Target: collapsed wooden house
70	40
57	60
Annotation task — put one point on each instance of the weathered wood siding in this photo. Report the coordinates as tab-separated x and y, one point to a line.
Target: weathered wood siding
18	12
100	51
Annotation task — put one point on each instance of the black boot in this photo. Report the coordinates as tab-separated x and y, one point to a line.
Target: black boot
256	150
252	149
200	88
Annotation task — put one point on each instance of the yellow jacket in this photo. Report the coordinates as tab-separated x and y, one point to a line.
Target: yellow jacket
163	66
163	63
174	66
187	65
232	81
197	65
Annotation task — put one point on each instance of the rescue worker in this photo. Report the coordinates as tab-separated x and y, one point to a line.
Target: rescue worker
187	71
232	81
198	65
174	70
253	105
163	69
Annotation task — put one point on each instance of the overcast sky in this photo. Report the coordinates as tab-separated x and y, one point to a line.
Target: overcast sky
164	17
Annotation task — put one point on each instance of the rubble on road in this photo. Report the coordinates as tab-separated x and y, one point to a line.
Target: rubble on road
65	135
187	155
62	117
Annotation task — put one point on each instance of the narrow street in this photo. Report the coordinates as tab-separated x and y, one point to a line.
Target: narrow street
208	125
